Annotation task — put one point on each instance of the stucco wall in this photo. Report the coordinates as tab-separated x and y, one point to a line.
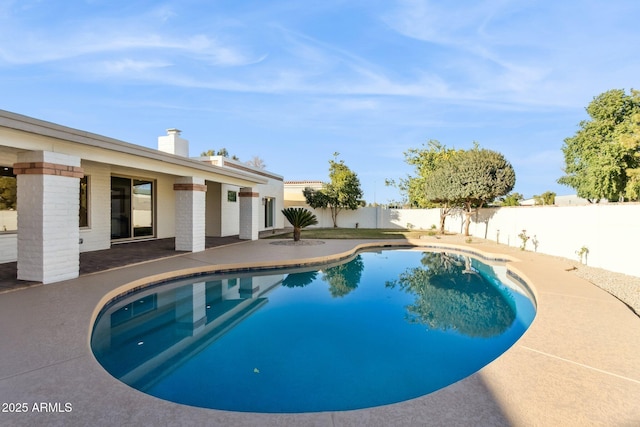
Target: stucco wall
609	231
165	206
275	189
376	217
229	211
98	235
213	203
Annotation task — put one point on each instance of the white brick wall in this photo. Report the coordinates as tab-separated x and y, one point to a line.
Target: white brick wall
230	211
48	232
249	216
190	216
8	247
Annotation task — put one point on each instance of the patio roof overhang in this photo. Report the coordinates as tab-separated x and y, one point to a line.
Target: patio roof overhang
27	133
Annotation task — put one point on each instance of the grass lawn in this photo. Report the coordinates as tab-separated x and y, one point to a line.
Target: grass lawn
356	233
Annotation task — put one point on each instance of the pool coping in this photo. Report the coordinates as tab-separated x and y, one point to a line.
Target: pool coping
591	366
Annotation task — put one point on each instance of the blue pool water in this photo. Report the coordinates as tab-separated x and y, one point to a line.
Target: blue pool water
381	328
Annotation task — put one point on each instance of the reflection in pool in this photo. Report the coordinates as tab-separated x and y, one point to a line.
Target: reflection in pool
382	328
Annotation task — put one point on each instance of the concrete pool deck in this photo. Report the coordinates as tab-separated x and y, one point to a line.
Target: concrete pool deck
578	364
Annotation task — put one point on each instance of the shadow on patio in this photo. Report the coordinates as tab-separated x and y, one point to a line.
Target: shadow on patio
119	255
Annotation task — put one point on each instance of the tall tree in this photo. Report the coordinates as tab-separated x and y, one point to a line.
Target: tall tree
438	192
426	160
631	141
602	158
472	178
341	192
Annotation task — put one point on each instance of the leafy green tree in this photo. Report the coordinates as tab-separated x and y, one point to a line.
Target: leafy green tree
602	158
511	199
299	218
630	140
472	178
342	192
438	191
424	160
8	193
547	198
221	152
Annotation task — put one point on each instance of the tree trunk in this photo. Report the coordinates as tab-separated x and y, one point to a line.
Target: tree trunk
467	219
444	211
296	233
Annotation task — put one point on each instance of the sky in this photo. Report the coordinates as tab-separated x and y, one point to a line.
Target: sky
293	82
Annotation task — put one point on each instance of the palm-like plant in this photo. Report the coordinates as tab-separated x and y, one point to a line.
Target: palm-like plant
299	218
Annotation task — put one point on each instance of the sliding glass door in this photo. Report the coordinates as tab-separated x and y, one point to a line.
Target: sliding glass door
132	212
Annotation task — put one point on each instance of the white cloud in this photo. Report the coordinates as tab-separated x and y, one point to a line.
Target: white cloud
130	65
529	54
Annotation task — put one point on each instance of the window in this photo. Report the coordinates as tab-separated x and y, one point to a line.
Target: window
84	201
269	204
8	200
232	196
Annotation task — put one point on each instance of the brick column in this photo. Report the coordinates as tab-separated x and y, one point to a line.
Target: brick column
48	222
190	214
249	213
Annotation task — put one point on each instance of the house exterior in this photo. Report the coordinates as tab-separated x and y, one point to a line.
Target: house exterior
64	191
293	196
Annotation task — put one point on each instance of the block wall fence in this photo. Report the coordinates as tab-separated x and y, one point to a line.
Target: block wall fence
611	232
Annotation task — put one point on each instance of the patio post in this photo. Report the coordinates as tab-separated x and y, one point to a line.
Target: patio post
190	213
249	202
48	216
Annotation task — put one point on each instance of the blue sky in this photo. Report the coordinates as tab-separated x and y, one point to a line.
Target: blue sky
293	82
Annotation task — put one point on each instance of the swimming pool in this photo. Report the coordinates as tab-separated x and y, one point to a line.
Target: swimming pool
381	328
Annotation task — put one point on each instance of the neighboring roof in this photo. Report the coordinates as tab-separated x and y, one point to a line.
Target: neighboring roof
302	182
236	164
40	127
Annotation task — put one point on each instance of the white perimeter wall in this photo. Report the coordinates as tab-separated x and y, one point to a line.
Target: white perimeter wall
611	231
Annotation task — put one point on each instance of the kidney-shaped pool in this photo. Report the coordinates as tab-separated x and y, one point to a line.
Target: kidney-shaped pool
380	328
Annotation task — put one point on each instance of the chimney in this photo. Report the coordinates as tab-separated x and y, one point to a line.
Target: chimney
173	144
